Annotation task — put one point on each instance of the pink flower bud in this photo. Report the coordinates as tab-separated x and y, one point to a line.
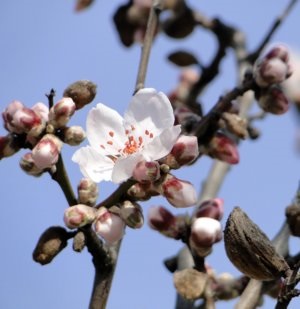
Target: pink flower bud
145	172
79	215
179	193
223	148
213	208
46	153
142	191
109	226
87	192
42	110
183	152
163	221
132	214
279	51
8	116
204	233
273	100
28	166
73	136
8	146
61	112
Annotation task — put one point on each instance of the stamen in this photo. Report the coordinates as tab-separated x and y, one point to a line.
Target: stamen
109	142
102	146
111	133
151	135
146	132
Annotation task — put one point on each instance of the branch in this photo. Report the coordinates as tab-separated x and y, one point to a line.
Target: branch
150	31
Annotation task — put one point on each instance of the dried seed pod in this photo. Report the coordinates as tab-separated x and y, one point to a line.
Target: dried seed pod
250	250
51	242
190	283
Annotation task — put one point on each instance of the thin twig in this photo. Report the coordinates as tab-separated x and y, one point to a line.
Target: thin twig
150	31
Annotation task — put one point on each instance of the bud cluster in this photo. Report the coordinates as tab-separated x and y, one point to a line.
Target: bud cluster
269	73
42	130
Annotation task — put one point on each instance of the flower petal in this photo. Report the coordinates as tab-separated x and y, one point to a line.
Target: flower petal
124	167
93	164
162	144
105	127
150	110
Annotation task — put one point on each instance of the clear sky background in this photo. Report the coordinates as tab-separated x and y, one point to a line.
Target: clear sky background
44	45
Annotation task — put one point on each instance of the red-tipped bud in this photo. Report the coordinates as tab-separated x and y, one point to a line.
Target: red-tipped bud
183	152
61	112
179	193
223	148
73	136
132	214
79	215
28	166
87	192
8	116
109	226
204	233
8	146
273	68
146	172
213	208
162	220
42	110
142	191
273	101
46	153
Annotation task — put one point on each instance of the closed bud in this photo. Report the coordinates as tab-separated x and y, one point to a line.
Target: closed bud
109	226
79	215
132	214
42	110
51	242
79	241
146	172
61	112
87	192
273	100
83	4
185	151
142	191
279	51
204	233
213	208
162	220
46	152
82	92
73	136
179	193
235	124
292	213
28	166
8	116
8	146
223	148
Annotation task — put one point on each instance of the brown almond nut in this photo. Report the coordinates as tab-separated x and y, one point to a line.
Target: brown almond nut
250	250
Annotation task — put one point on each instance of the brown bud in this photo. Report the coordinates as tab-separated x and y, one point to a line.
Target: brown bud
250	250
235	125
82	92
292	213
190	283
79	241
50	243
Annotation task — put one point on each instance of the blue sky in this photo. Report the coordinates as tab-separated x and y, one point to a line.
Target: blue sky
45	45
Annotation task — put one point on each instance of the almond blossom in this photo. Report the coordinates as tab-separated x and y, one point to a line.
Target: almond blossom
117	145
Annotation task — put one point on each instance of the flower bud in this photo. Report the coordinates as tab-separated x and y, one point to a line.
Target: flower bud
42	110
146	172
82	92
205	232
142	191
8	116
51	242
184	151
179	193
28	166
235	124
73	135
273	100
8	146
109	226
61	112
279	51
79	241
79	215
223	148
46	153
132	214
162	220
212	208
87	192
83	4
